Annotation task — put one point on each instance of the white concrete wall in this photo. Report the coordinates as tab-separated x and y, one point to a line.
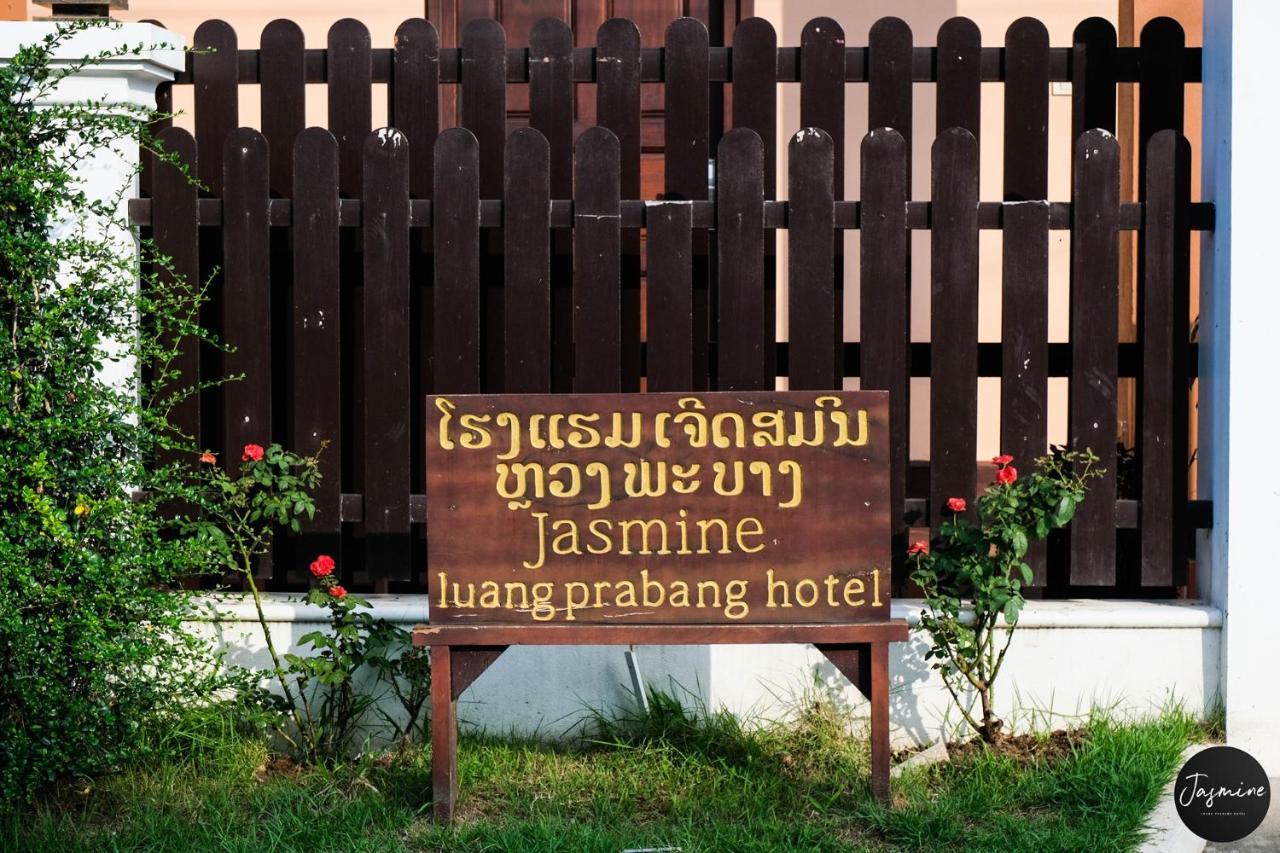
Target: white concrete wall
1067	658
1240	304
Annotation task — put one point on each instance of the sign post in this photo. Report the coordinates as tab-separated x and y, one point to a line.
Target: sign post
597	519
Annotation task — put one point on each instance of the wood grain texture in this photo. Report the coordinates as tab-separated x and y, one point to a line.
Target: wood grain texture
246	319
1164	386
883	358
456	230
740	237
597	312
527	263
315	383
284	106
953	325
814	316
1095	261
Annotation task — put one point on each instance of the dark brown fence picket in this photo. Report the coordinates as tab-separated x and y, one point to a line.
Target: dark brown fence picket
1095	198
597	286
960	76
1026	111
350	68
527	259
551	99
884	309
740	238
814	315
617	108
822	88
1024	386
284	107
953	366
483	260
755	52
1164	309
385	432
246	317
670	296
687	147
483	111
315	365
889	78
217	103
1093	77
176	234
414	99
456	228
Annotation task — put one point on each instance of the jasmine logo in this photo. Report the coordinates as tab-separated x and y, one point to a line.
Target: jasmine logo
1222	794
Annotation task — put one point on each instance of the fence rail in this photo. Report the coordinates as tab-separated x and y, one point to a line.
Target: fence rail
361	269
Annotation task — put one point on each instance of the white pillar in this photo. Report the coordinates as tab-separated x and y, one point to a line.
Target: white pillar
1240	310
142	56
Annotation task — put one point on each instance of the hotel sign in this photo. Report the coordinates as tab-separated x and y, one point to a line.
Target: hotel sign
761	507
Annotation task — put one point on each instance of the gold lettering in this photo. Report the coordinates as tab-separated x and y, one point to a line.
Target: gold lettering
718	437
776	586
477	436
565	542
616	437
769	429
736	606
640	483
625	527
511	422
490	594
812	595
741	532
594	528
446	408
557	488
720	469
581	436
540	518
600	471
790	466
854	588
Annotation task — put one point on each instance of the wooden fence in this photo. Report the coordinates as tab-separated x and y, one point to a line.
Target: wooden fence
360	269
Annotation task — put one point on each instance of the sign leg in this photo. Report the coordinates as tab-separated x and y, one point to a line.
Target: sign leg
880	721
444	736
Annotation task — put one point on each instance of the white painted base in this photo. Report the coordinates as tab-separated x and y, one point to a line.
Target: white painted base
1069	657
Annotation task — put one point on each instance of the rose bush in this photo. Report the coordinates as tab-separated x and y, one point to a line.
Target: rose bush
334	697
983	562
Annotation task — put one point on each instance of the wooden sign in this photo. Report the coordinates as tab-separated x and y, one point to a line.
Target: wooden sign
762	507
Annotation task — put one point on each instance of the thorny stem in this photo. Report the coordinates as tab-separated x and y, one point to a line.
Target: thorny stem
247	556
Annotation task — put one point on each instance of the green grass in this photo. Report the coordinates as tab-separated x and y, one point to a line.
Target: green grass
700	783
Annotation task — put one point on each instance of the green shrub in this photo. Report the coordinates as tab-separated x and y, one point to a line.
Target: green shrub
92	646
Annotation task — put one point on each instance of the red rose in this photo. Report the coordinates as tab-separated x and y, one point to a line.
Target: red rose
1003	460
337	591
322	566
957	504
208	458
252	453
921	547
1006	475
